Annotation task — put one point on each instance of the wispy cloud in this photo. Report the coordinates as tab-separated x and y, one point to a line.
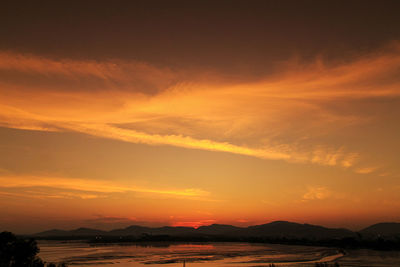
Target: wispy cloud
64	75
317	193
84	188
366	170
286	116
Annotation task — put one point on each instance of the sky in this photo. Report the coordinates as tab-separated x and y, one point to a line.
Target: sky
189	113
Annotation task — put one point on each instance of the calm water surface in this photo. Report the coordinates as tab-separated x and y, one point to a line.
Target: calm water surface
206	254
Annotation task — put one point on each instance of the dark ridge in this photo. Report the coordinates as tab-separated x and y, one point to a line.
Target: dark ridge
382	236
385	229
275	229
130	230
296	230
219	229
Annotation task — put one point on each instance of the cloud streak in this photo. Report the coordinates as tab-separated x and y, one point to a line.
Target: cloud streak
286	116
85	189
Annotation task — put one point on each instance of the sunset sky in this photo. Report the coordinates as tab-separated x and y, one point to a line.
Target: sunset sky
115	113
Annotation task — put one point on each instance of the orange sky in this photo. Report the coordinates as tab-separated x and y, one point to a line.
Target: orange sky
112	141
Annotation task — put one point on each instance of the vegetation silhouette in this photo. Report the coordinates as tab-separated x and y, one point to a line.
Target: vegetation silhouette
18	252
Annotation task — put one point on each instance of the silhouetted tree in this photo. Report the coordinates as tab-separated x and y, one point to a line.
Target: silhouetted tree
16	252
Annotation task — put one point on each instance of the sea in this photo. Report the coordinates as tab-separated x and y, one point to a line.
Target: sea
80	253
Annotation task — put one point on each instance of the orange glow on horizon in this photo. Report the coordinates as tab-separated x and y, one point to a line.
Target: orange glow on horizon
194	224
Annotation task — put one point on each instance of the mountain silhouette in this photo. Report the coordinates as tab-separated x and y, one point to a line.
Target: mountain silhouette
132	230
220	229
277	229
386	229
295	230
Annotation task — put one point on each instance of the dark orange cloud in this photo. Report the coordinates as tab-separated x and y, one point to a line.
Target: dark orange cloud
278	117
84	188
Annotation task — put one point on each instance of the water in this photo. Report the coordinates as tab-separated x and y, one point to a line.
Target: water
206	254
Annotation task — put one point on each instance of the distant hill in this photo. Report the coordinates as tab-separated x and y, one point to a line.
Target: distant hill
285	229
52	232
170	230
277	229
387	229
381	236
130	231
219	229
